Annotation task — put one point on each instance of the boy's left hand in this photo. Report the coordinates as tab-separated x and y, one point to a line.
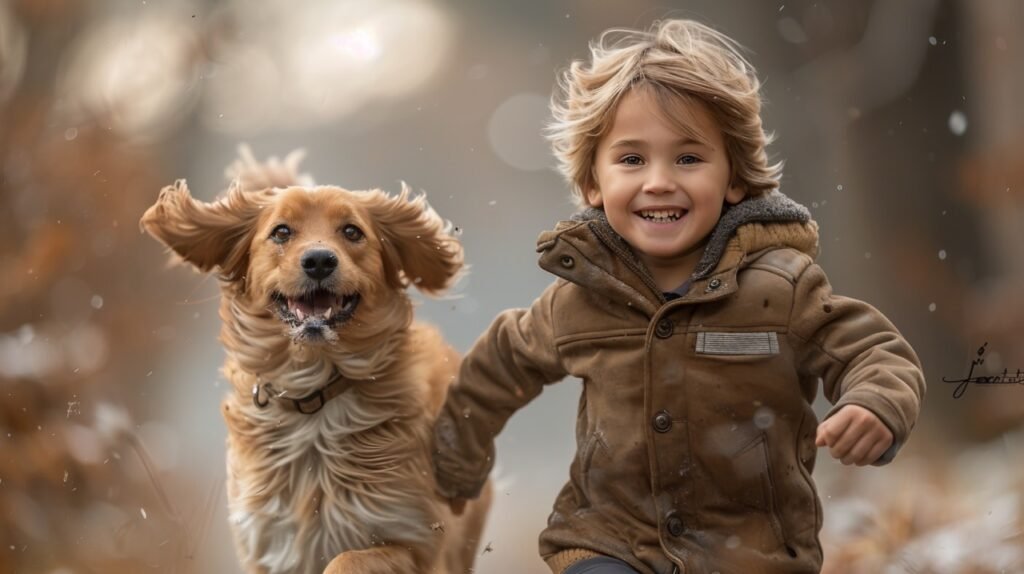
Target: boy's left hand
854	435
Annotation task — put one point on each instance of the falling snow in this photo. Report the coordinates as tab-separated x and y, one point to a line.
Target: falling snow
764	418
957	123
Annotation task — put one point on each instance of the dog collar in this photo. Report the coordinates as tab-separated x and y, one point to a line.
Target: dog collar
307	405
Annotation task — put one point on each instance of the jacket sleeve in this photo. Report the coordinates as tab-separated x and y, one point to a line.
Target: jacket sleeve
506	369
860	356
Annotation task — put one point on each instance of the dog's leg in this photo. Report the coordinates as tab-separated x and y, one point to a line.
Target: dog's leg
380	560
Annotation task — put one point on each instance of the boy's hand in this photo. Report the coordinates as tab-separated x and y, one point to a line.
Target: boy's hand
854	435
457	505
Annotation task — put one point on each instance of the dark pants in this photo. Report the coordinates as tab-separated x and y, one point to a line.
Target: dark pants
600	565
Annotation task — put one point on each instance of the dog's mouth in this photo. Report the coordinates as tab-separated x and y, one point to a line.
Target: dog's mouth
321	307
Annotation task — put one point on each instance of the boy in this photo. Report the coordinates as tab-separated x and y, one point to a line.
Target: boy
689	305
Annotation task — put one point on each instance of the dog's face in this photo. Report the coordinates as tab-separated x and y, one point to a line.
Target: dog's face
322	262
313	257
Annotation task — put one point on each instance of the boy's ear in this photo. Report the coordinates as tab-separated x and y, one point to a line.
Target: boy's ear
591	189
418	247
207	235
735	193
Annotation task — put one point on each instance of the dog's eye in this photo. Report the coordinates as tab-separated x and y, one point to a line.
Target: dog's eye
352	233
281	233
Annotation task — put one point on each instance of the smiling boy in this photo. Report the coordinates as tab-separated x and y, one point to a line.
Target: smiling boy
689	304
663	189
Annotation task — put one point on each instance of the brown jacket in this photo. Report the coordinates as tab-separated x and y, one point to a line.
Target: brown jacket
695	433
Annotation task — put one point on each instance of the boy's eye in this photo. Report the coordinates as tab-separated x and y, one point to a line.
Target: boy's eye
688	159
631	160
281	233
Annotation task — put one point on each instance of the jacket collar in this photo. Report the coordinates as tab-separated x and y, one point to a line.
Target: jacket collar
587	251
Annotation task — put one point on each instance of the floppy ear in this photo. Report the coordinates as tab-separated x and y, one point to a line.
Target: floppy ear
207	235
418	245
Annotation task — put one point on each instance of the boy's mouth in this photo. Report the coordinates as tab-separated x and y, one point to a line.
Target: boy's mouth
662	215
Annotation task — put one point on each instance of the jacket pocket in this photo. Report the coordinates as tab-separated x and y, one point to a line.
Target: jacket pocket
754	461
595	443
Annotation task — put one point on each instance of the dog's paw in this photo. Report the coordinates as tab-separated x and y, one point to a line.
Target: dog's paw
381	560
341	564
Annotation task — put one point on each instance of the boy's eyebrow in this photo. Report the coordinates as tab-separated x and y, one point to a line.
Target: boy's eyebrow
640	143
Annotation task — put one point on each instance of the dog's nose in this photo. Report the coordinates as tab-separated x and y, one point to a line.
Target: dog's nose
319	263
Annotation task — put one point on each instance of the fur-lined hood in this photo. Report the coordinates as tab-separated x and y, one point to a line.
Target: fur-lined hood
771	208
752	225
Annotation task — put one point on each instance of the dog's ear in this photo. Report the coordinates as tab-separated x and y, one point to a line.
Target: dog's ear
207	235
419	247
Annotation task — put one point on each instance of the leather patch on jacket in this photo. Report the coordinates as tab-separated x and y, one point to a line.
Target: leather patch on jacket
711	343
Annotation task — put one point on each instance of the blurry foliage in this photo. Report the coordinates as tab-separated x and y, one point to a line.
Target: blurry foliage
962	515
73	495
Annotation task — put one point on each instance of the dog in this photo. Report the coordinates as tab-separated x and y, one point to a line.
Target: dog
334	386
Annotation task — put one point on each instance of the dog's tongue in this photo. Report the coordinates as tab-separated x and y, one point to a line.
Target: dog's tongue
303	305
323	301
316	304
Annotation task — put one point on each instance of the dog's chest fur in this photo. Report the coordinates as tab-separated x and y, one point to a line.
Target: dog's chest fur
304	488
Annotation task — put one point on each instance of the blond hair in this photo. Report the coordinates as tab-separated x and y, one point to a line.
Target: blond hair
679	59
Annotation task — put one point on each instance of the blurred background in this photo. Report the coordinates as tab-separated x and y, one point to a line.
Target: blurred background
898	122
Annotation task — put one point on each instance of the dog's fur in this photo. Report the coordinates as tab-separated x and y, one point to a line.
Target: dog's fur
348	489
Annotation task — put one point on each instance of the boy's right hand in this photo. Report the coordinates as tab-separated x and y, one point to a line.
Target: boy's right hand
458	505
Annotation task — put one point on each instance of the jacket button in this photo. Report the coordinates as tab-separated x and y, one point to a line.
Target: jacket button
568	262
714	283
674	525
662	421
664	328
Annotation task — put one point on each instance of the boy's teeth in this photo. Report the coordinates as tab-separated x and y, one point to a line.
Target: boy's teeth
661	214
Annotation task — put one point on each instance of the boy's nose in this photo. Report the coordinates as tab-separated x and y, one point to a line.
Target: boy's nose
660	180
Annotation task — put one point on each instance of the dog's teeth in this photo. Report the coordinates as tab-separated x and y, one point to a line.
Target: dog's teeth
327	313
300	314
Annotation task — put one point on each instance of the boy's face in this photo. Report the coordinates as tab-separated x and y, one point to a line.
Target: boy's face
661	190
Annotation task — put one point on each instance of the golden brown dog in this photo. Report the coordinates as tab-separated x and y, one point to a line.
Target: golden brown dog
335	388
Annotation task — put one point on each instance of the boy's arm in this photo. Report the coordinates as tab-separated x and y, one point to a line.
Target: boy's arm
859	355
506	368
